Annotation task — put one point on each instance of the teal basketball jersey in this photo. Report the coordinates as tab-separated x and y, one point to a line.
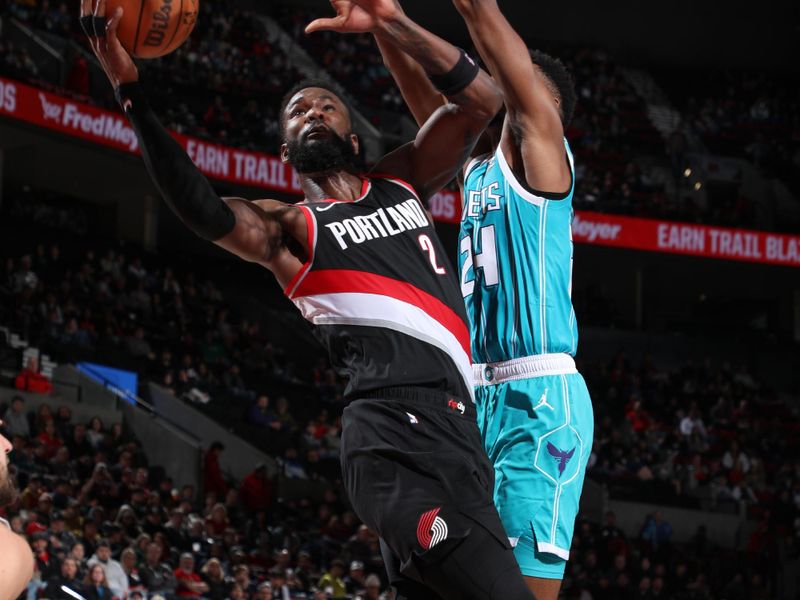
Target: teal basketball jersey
515	264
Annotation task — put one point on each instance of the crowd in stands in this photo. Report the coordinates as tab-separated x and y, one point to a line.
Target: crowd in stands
705	436
104	523
227	69
229	79
751	115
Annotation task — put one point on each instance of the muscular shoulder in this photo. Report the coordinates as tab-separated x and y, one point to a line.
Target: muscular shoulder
16	564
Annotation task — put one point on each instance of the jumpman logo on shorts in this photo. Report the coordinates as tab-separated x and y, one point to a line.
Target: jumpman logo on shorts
543	402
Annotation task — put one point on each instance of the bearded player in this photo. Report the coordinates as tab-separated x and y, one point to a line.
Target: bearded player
16	558
361	261
515	267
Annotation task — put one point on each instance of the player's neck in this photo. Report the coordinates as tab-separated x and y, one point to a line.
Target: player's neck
342	185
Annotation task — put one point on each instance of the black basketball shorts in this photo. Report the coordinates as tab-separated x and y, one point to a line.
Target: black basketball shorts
416	473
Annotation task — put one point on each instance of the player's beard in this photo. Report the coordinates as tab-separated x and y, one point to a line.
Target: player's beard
8	490
323	155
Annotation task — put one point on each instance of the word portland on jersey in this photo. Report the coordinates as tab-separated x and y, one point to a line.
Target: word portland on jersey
381	223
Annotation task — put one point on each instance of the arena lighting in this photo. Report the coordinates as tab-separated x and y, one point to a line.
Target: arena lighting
697	186
687	172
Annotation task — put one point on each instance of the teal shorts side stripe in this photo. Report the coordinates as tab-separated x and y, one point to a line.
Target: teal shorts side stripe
538	434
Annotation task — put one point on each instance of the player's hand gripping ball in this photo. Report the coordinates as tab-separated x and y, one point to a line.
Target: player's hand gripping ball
151	28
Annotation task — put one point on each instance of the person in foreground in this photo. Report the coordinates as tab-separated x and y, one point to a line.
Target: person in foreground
361	261
16	558
515	266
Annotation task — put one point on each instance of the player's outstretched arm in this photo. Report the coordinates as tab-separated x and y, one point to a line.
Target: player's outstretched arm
445	141
253	231
537	129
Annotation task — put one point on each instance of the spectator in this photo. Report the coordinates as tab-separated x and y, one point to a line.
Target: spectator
236	593
157	576
356	579
214	577
175	532
303	572
67	579
278	585
47	563
736	462
693	429
256	489
656	532
217	521
137	345
264	591
49	440
95	434
31	380
372	589
15	420
214	480
241	575
190	584
79	445
260	414
128	561
332	582
115	576
96	585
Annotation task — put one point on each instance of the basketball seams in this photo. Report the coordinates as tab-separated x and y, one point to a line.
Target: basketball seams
138	27
178	23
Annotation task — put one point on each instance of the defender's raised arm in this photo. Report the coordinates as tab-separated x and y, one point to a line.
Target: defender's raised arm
535	111
448	136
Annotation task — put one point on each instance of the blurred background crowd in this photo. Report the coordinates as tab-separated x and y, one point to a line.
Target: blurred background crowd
714	434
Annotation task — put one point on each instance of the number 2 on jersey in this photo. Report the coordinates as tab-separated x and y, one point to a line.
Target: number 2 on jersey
427	245
486	259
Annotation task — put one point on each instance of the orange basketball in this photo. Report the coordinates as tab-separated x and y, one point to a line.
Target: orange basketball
151	28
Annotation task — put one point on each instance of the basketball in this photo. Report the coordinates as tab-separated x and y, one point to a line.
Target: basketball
152	28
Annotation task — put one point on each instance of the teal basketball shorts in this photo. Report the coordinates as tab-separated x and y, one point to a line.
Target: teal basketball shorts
537	427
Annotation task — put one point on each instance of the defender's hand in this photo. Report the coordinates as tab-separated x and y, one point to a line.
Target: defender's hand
114	59
357	16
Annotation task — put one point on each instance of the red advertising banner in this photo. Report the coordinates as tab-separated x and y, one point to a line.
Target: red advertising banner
686	238
111	129
255	169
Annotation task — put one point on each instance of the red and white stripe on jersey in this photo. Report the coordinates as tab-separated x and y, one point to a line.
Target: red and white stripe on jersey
347	297
311	233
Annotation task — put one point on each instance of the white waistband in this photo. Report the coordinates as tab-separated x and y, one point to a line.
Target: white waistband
523	368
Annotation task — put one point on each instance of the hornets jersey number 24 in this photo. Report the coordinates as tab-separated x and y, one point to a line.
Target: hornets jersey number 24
515	264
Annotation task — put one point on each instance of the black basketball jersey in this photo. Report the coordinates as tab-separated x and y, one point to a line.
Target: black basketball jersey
382	296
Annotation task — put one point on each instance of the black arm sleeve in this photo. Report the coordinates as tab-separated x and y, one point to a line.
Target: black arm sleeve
185	190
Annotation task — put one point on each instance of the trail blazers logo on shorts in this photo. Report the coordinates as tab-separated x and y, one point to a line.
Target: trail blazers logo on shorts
431	529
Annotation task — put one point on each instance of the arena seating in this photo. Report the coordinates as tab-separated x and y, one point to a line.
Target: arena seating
706	436
229	79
